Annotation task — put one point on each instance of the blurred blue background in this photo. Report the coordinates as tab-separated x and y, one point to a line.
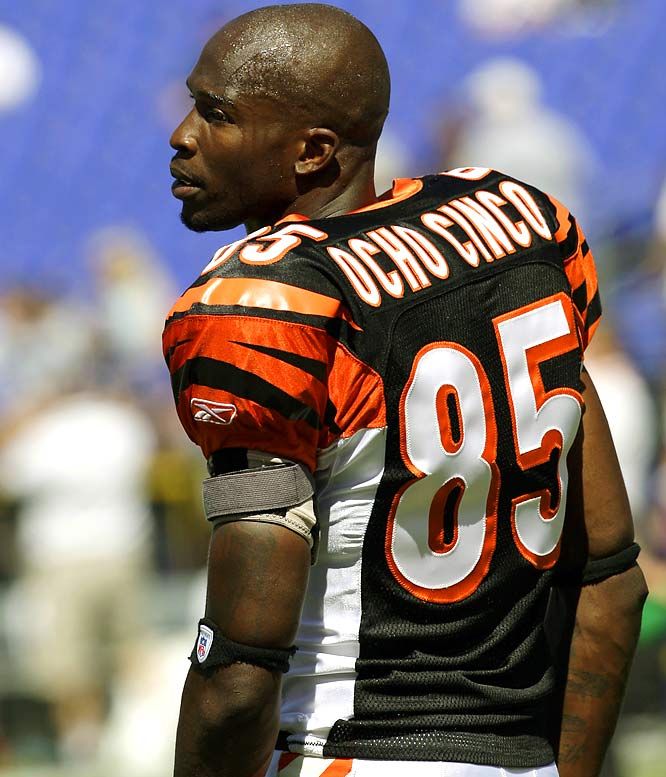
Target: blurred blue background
90	148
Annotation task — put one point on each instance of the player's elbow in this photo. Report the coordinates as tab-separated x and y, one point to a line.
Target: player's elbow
234	698
637	590
611	610
627	592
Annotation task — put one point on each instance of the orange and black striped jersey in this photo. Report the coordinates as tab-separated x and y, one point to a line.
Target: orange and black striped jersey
421	356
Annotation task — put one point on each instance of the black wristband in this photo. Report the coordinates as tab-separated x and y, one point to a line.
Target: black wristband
212	649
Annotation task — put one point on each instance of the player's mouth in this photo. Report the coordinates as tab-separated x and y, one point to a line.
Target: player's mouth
184	186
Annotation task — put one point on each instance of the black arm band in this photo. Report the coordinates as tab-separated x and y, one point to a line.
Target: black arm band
600	568
212	649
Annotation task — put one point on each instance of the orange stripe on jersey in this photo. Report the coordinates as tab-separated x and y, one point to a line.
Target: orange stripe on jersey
286	374
285	387
580	237
402	189
270	376
357	391
575	269
254	426
291	218
341	767
232	338
259	293
562	217
580	270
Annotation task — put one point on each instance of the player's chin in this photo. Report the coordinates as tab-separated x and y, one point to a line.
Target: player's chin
193	221
207	219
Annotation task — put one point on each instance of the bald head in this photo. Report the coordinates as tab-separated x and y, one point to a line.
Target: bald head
317	60
288	104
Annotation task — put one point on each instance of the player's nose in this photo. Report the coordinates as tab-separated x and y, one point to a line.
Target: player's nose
183	140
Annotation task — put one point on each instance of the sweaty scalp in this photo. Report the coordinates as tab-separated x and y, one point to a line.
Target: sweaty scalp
315	59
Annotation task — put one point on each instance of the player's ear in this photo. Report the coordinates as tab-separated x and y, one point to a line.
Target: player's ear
318	149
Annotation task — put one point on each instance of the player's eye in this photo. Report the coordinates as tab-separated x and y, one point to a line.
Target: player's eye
210	112
216	115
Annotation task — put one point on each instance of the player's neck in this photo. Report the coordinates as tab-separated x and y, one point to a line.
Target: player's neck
345	194
340	198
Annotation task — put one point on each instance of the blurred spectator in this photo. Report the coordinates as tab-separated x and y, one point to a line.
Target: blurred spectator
507	18
134	293
94	503
46	346
633	423
393	161
20	69
147	693
656	531
509	128
640	310
76	468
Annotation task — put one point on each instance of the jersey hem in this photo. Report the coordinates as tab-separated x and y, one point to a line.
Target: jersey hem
521	753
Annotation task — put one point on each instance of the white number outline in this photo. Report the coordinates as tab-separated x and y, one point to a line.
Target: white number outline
470	582
468	173
542	505
278	244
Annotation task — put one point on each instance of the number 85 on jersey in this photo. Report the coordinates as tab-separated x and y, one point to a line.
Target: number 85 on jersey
457	472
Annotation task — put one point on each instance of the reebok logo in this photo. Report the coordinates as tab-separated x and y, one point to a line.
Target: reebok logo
208	412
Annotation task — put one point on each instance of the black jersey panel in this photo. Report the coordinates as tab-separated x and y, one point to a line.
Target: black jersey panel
469	679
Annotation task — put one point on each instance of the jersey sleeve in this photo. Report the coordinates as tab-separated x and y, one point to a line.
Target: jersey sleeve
258	364
580	270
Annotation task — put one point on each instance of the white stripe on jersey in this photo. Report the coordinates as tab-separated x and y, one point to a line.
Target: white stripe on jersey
319	687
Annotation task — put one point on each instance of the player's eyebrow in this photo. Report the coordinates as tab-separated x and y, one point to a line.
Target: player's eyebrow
212	96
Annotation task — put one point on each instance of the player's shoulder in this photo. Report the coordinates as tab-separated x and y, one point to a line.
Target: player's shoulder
491	189
271	272
464	180
275	254
410	198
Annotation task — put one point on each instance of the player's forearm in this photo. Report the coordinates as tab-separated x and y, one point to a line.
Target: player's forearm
608	618
228	723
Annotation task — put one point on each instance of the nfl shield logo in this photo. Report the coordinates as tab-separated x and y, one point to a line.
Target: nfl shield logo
204	643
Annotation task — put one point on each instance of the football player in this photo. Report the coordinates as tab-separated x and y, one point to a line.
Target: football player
422	557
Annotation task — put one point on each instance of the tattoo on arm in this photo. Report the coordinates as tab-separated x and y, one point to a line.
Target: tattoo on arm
572	724
589	684
572	753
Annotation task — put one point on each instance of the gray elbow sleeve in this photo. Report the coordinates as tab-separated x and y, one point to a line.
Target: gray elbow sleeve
280	494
